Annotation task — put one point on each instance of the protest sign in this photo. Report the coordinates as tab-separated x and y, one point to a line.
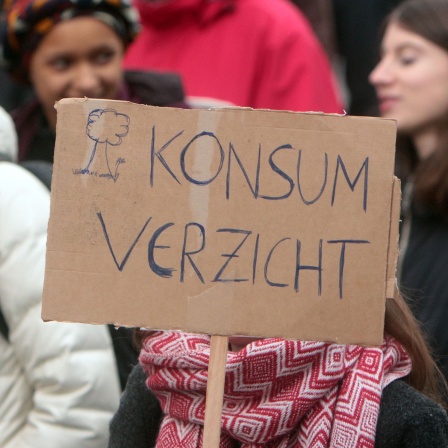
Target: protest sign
224	222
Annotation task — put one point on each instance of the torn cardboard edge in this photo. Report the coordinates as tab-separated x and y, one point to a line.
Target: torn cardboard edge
232	107
394	235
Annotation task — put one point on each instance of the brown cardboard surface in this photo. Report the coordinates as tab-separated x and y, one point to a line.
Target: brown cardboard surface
231	221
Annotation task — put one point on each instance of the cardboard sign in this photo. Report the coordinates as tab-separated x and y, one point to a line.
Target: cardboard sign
224	222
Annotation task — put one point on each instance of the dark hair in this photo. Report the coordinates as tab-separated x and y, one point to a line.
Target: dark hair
425	375
428	19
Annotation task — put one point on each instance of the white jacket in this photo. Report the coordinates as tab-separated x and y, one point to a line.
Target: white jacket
8	136
58	381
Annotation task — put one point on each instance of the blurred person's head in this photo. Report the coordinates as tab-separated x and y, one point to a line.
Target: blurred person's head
411	78
68	48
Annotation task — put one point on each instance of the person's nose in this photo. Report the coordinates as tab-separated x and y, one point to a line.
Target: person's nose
381	74
86	82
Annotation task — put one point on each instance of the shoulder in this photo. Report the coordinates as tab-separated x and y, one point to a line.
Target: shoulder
24	211
17	182
8	136
24	203
17	178
137	421
274	17
409	419
276	10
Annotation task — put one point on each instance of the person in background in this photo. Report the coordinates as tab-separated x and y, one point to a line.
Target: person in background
411	81
303	397
74	49
251	53
58	382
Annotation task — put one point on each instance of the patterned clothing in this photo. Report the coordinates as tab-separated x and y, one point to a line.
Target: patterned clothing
407	418
277	392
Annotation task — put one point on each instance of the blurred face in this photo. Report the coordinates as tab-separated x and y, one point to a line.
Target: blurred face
77	58
411	81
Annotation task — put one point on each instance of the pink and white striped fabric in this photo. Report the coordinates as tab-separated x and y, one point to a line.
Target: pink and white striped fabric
278	393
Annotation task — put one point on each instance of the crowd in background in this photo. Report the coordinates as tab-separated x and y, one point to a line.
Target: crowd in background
91	386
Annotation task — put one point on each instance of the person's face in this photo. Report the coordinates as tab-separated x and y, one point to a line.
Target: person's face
411	81
78	58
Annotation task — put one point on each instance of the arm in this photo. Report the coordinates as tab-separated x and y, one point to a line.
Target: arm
64	374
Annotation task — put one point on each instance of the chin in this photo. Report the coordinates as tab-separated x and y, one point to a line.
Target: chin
241	341
389	114
405	128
